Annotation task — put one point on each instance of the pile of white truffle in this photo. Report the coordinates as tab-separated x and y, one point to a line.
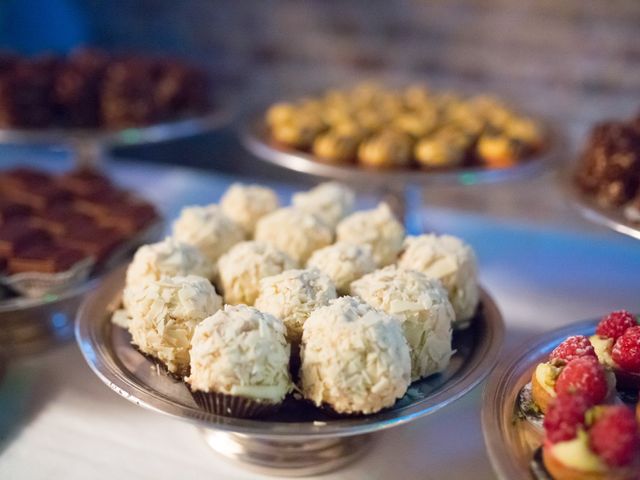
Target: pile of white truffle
222	301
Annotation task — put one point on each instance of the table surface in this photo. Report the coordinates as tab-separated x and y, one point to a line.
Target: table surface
544	266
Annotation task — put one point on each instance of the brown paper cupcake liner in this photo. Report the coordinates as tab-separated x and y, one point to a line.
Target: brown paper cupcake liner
232	405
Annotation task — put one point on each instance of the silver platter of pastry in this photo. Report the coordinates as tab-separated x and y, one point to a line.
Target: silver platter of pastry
622	220
300	439
256	138
510	437
32	324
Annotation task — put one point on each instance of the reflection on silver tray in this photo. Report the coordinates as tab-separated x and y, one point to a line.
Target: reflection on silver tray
512	440
108	351
613	218
256	138
158	132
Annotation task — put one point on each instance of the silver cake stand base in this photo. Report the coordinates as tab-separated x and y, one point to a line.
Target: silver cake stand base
290	458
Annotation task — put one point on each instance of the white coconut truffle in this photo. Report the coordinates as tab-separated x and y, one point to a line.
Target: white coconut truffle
242	267
451	261
246	204
329	201
377	228
344	263
164	314
294	232
241	351
354	358
168	258
207	229
421	305
292	295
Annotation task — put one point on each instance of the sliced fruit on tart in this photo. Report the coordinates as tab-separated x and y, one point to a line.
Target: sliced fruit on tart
593	443
572	367
617	345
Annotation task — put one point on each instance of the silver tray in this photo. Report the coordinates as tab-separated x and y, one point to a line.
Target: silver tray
300	439
511	441
89	145
590	209
30	325
256	139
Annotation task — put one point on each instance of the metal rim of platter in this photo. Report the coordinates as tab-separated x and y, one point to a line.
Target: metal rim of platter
612	218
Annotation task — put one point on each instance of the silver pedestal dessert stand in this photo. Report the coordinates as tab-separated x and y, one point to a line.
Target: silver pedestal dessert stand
300	439
401	188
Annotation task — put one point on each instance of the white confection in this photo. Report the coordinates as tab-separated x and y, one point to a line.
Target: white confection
329	201
378	228
242	267
246	204
168	258
164	314
451	261
354	358
344	263
293	295
208	229
421	305
295	232
241	351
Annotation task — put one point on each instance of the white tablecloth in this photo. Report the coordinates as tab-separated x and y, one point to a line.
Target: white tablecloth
57	419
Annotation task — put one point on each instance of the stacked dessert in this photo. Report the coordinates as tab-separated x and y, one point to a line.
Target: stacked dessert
413	127
93	89
588	431
49	223
248	302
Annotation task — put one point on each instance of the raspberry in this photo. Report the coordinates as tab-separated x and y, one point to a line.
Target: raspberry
614	436
615	324
564	416
626	350
586	376
573	347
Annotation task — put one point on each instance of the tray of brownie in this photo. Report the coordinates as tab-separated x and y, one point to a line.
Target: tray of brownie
91	99
58	235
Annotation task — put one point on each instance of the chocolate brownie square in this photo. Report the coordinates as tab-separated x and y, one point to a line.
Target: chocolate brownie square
26	93
50	258
17	235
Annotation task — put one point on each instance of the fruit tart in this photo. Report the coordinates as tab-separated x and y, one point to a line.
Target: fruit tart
617	345
583	442
572	367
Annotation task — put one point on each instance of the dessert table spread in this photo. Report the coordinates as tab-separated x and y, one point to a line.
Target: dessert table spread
544	266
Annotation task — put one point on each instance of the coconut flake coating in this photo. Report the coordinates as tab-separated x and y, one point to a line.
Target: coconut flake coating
293	295
451	261
208	229
168	258
246	204
329	201
295	232
241	351
421	305
242	267
377	228
343	263
354	358
164	314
